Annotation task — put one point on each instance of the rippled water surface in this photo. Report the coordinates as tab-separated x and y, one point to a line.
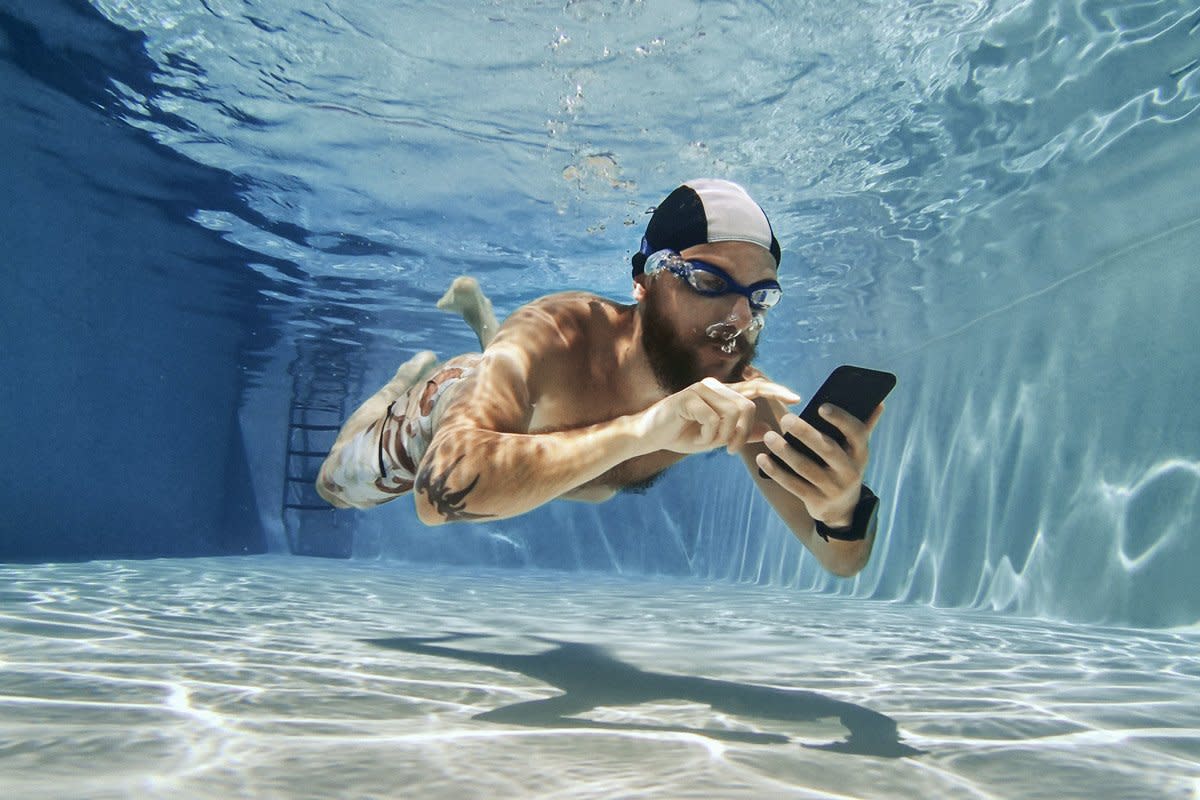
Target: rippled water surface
293	678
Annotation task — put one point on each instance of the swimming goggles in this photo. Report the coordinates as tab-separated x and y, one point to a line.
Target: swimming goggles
710	280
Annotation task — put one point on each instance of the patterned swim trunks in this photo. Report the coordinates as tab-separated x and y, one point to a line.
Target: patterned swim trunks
380	463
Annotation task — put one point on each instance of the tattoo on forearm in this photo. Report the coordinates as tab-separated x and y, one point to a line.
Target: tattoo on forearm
449	504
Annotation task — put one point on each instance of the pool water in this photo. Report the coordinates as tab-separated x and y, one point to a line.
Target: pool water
274	677
221	212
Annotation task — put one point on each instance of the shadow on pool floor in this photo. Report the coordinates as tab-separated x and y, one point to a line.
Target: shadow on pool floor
590	677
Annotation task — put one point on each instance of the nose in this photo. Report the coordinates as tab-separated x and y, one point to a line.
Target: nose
741	312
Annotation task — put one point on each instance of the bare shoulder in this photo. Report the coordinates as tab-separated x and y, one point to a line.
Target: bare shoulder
569	307
540	344
558	322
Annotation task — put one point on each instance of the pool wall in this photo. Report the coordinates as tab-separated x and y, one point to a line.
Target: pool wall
122	340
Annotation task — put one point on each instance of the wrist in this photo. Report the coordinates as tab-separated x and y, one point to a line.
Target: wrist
839	522
642	434
845	518
861	524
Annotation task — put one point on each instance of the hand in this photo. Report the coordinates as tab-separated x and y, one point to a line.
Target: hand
829	493
711	414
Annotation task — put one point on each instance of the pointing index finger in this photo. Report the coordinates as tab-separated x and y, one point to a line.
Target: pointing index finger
758	387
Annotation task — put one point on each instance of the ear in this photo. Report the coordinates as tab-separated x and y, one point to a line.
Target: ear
639	288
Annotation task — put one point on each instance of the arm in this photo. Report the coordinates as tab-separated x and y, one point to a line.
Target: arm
483	463
476	474
829	494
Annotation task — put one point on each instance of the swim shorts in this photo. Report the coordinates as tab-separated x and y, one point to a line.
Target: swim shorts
381	462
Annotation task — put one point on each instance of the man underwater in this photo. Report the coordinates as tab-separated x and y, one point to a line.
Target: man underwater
577	397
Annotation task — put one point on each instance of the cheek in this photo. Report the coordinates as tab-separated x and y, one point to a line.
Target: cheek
675	311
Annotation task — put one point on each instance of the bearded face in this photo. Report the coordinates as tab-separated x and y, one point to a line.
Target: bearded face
681	355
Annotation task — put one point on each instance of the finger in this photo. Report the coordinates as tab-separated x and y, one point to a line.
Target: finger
726	428
794	485
736	412
696	409
837	461
763	388
747	414
852	428
873	420
722	401
800	463
842	419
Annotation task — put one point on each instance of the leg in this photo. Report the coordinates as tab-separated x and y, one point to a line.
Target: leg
348	475
465	297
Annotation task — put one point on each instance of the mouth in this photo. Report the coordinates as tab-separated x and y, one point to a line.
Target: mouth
725	350
732	339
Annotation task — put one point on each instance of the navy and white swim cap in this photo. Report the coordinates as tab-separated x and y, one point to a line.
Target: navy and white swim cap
702	211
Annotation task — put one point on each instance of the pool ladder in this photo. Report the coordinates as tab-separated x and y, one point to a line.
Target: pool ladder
321	382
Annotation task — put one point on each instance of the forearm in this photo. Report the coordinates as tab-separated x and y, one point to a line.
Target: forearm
472	474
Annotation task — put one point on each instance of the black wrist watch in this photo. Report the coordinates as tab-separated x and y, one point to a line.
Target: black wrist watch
861	525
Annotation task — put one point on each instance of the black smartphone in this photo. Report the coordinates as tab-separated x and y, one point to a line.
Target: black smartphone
857	390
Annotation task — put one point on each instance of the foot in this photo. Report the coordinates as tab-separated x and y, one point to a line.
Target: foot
466	298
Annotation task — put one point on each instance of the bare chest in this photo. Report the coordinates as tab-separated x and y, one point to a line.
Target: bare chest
586	398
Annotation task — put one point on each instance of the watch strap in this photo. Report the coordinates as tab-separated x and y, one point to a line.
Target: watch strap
862	524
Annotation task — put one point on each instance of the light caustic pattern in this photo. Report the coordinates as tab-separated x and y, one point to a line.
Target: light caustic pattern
284	678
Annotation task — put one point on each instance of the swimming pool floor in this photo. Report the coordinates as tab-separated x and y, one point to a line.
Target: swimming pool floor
298	678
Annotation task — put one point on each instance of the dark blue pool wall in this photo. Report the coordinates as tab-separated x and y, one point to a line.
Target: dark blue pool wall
122	340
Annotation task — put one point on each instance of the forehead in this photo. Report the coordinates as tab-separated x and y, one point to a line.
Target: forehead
746	262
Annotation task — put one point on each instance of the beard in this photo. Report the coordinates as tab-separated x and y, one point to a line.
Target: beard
675	360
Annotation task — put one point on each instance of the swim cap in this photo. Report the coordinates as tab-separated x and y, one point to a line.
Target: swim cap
703	211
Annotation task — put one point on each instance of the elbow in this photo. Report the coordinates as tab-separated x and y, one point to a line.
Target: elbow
426	513
432	515
332	493
847	564
328	493
845	569
443	495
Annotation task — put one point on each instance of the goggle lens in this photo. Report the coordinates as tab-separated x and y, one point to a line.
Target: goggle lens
765	298
711	281
706	282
